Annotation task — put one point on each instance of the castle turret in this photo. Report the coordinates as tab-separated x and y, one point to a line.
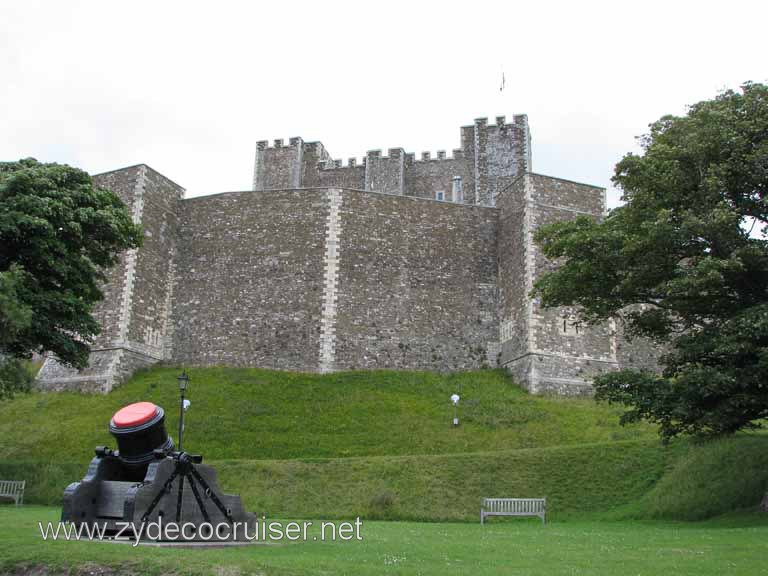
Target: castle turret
491	156
278	166
385	173
496	155
547	350
135	312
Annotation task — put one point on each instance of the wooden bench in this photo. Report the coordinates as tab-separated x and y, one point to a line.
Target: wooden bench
514	507
13	489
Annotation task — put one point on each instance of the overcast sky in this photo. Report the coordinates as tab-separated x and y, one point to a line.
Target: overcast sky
188	88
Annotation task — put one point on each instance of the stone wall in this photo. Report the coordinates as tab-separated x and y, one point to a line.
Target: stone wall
250	279
546	349
135	312
342	177
424	177
417	284
637	352
515	280
330	279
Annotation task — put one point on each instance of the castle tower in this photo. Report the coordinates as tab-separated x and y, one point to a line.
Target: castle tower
135	312
491	156
545	349
495	154
385	174
279	166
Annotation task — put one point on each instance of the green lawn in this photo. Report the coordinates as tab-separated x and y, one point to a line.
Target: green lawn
380	445
738	545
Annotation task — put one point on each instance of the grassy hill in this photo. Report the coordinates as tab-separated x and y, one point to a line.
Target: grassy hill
263	414
381	445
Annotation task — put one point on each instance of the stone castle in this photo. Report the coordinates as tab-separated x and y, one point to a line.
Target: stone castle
397	262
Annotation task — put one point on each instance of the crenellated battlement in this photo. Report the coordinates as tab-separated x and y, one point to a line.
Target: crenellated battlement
490	155
392	154
338	164
499	121
440	155
279	143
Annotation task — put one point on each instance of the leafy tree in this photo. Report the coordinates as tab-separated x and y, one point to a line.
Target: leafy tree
14	317
682	262
57	236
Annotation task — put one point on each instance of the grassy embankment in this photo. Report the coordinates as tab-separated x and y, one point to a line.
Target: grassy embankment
380	445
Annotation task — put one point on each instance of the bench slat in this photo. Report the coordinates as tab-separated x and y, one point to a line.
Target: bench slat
514	507
13	489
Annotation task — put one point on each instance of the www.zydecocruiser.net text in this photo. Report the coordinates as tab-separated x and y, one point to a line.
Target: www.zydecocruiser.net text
261	531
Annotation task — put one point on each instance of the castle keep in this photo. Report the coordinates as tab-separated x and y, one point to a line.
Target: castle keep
397	261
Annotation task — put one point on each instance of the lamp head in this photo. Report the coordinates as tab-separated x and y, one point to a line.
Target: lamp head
183	381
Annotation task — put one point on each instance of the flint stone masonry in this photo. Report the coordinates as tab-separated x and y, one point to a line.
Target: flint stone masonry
325	266
490	157
417	284
250	278
135	310
550	352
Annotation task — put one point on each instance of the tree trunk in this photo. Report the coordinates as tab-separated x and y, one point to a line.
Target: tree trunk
764	503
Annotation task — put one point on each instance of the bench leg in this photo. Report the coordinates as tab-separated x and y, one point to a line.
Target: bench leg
482	518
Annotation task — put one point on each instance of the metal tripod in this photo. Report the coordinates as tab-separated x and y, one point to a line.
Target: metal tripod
185	469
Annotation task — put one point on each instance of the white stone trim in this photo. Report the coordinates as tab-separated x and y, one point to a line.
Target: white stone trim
507	330
154	352
257	164
561	356
297	165
77	380
330	282
530	273
367	176
129	278
527	147
530	257
476	137
564	209
493	349
166	342
571	381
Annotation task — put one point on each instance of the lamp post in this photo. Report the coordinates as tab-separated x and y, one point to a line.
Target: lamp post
455	400
183	383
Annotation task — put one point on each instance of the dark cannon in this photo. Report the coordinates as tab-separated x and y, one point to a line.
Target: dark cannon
148	481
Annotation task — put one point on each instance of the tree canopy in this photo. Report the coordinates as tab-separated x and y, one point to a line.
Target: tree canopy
683	261
58	235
